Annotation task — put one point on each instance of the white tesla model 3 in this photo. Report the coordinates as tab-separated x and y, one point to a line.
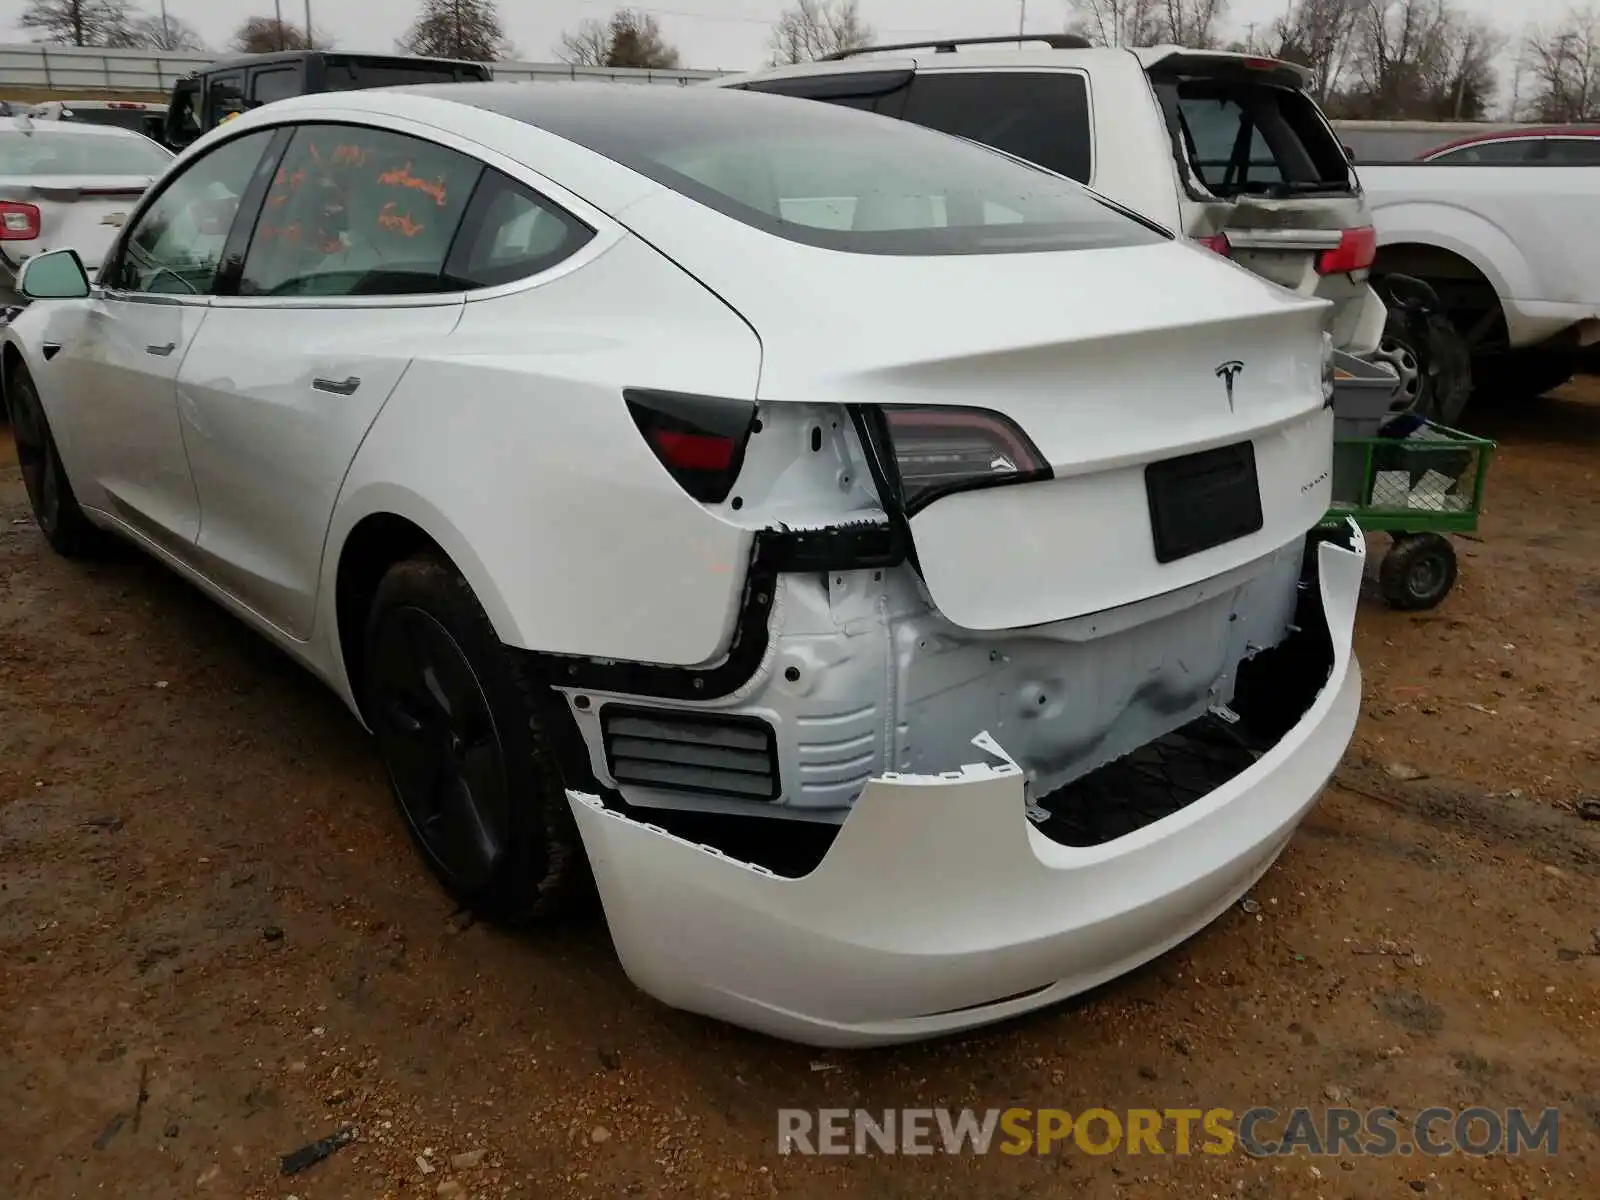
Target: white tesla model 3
895	570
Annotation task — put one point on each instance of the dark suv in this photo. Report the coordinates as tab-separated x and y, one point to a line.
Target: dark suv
205	99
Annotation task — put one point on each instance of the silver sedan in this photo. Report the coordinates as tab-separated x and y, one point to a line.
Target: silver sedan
68	186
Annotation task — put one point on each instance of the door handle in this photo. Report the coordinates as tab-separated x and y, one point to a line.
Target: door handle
162	351
339	387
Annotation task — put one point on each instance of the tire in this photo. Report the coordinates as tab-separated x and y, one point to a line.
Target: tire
1432	360
469	749
50	496
1418	571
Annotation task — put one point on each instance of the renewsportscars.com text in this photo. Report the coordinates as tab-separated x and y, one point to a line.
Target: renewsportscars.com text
1260	1132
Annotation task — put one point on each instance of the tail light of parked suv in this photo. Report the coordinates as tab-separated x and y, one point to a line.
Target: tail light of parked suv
700	440
937	451
1356	251
1217	243
18	222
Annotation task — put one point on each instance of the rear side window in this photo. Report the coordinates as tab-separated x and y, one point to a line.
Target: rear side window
510	232
1246	138
352	75
355	211
1040	116
1574	152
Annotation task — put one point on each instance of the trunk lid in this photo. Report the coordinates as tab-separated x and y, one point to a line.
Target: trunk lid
1260	166
77	212
1107	360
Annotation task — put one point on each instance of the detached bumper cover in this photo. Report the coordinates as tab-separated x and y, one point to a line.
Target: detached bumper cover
939	907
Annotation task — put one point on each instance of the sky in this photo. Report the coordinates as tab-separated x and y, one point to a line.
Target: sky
726	34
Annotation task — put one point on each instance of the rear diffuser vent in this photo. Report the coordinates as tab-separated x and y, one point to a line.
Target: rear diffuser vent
702	753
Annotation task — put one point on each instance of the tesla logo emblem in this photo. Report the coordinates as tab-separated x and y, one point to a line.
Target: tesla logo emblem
1228	372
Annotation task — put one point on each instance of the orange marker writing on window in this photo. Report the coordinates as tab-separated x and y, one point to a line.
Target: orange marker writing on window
388	218
402	177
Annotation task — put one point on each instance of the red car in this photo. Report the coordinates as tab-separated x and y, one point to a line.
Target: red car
1555	145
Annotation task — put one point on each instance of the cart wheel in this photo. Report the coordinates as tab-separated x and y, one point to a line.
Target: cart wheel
1418	571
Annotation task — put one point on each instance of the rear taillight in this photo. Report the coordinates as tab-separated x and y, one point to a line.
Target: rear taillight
18	222
1355	252
943	450
700	440
1217	243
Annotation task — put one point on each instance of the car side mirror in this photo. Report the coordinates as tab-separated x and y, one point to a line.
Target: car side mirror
53	275
1349	154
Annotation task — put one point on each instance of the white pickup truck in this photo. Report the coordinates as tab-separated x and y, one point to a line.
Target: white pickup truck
1511	254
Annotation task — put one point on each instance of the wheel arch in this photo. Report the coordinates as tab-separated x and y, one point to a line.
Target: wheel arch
11	358
1463	284
387	525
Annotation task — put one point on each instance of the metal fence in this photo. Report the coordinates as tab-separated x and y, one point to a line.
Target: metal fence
71	69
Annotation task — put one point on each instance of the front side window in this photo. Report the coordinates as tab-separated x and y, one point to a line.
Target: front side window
59	150
184	117
833	177
355	211
1040	116
175	247
224	98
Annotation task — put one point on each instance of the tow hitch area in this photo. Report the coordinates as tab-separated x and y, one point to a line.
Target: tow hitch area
955	900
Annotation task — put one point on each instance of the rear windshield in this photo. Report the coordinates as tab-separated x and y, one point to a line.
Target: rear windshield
845	180
124	118
55	150
1247	138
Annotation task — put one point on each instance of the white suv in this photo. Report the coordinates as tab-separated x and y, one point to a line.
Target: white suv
1227	149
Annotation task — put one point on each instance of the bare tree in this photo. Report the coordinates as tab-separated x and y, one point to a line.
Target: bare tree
1562	67
1422	59
1118	22
586	46
171	33
813	29
262	35
81	22
470	29
1319	35
631	38
1190	23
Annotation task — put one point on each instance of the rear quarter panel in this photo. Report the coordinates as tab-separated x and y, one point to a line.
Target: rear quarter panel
1526	228
512	448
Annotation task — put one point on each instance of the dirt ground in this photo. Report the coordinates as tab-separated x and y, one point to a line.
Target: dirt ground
217	946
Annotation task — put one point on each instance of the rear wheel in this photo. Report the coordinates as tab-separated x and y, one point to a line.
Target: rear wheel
50	495
1430	356
468	749
1418	571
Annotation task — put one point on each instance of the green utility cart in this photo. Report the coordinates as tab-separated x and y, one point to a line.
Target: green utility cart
1417	488
1417	483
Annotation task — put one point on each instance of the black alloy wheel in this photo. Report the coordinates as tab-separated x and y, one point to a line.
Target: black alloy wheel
467	747
50	496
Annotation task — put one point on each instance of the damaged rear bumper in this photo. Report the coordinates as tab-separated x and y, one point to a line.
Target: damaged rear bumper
939	906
